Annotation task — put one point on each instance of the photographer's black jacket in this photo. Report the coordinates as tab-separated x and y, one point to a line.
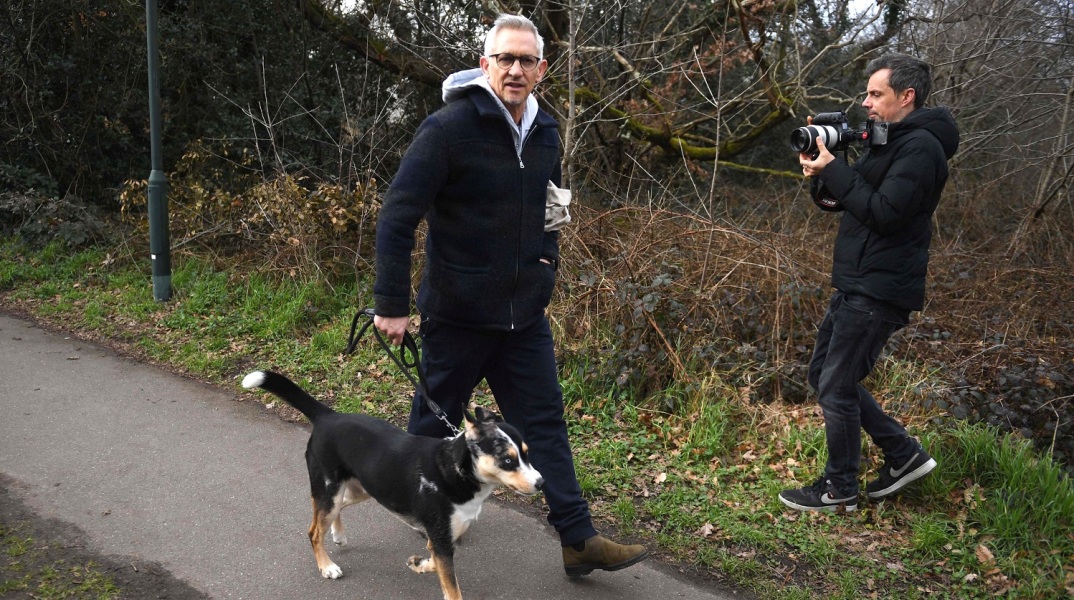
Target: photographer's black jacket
888	197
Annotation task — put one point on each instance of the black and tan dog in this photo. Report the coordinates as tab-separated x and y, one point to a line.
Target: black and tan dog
436	486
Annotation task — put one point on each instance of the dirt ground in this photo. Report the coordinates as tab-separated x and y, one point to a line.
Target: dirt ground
61	547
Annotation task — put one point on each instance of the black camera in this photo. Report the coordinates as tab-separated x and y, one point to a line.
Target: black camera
834	129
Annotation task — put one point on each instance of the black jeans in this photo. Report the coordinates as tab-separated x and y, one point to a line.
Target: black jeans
851	336
520	368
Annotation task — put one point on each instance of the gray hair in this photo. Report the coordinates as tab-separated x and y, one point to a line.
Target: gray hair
906	72
506	21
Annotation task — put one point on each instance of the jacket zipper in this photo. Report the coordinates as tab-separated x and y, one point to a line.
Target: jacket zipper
518	238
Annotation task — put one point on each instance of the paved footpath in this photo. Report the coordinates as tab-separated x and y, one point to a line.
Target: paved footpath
205	482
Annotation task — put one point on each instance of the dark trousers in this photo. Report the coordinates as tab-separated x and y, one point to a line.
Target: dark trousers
851	336
520	368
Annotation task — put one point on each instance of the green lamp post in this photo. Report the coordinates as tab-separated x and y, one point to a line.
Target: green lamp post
159	245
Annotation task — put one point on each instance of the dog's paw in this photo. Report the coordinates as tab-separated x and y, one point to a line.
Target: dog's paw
339	535
420	565
332	571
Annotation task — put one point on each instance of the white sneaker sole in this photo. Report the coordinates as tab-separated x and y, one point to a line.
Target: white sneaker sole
906	480
827	508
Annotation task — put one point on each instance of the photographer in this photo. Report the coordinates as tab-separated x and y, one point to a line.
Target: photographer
887	199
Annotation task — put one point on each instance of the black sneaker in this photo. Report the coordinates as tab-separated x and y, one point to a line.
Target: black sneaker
822	495
892	480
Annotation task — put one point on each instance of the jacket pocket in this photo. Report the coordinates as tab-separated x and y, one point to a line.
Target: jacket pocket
460	282
547	284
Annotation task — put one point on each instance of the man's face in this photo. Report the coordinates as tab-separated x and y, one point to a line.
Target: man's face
514	84
883	103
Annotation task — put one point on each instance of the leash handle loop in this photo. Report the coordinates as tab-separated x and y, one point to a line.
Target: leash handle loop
400	359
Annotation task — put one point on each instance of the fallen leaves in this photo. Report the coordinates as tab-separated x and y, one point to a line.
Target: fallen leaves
706	530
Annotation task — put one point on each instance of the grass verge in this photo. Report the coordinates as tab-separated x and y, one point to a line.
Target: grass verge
25	571
50	559
698	480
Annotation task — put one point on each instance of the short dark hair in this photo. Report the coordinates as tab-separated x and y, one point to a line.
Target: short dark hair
906	72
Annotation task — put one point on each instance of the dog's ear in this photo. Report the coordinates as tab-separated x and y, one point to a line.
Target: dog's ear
471	423
487	416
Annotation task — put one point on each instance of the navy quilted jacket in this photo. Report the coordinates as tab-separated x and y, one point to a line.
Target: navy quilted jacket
485	209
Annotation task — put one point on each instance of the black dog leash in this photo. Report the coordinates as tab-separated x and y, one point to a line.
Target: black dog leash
408	345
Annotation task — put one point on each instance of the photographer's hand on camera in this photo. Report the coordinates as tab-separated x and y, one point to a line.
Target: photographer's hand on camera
811	167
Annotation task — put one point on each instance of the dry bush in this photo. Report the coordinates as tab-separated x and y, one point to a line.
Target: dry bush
39	219
1002	333
221	202
652	298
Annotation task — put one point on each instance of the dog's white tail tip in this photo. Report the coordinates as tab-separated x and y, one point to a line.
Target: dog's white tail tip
253	380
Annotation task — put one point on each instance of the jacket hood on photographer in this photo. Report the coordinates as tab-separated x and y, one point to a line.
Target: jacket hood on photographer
938	121
887	199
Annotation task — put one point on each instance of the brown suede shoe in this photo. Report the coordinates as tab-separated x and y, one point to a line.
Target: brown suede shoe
599	552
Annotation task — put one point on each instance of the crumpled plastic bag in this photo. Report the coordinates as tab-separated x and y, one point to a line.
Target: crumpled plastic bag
555	211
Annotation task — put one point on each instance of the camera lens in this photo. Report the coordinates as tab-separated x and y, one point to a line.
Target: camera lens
804	139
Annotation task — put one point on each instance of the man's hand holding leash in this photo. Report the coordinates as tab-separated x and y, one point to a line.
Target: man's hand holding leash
393	328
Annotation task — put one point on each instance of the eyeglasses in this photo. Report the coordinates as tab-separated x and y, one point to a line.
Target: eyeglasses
505	61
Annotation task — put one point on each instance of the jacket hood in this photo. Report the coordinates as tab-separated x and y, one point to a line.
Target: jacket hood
938	121
459	85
